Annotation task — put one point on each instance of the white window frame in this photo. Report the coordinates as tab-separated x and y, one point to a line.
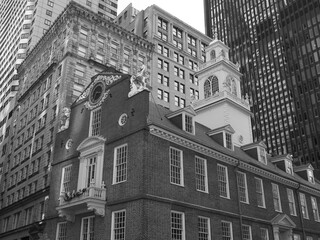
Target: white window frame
258	194
249	232
207	230
63	177
184	124
315	209
95	122
228	143
58	232
245	186
262	155
303	202
183	231
204	174
181	181
276	197
264	231
226	182
229	225
113	224
116	165
91	218
291	202
289	168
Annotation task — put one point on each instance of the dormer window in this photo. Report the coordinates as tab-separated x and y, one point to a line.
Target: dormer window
223	136
310	176
211	86
184	119
257	151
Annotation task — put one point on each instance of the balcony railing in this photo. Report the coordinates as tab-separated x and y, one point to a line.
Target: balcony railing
84	200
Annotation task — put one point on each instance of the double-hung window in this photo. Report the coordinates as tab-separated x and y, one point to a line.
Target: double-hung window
118	227
65	179
95	122
61	231
203	228
177	226
201	174
176	166
226	230
291	201
304	207
120	164
242	187
260	193
87	228
223	181
315	209
246	232
276	198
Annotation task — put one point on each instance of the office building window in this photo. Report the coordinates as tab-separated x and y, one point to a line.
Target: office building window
177	226
242	187
163	24
291	202
163	79
120	164
223	181
296	237
246	232
201	174
177	32
264	234
315	209
163	50
176	166
204	228
179	102
276	198
226	230
95	122
28	213
16	220
79	70
61	231
260	193
163	65
87	228
163	95
118	227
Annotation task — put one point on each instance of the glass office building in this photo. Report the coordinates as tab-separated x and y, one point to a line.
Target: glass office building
277	44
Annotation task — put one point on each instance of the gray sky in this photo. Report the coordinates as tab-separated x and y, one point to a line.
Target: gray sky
191	12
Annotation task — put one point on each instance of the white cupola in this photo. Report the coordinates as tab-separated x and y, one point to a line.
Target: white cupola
220	102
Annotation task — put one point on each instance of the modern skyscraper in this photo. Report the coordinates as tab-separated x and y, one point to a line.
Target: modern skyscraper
179	53
22	24
277	44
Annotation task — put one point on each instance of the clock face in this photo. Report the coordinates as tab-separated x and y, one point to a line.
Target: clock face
96	93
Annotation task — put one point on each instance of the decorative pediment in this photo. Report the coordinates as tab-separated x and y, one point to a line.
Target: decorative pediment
283	221
226	128
254	145
188	109
90	143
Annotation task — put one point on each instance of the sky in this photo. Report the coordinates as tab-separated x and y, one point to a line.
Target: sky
190	12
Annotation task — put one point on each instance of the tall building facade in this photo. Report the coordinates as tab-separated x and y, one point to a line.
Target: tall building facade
179	53
22	24
277	44
80	44
141	171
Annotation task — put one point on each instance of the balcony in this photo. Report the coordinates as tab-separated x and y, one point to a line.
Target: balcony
88	199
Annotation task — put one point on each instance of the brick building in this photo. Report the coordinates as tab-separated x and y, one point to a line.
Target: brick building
79	45
141	171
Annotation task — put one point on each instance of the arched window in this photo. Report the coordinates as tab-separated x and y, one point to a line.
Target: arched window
211	86
213	54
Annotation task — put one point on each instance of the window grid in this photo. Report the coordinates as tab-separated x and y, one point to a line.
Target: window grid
242	186
315	209
291	202
176	172
188	124
201	174
226	230
119	225
276	197
228	140
223	183
260	192
121	157
87	228
61	231
203	228
95	122
246	232
211	86
177	226
66	171
304	207
91	170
